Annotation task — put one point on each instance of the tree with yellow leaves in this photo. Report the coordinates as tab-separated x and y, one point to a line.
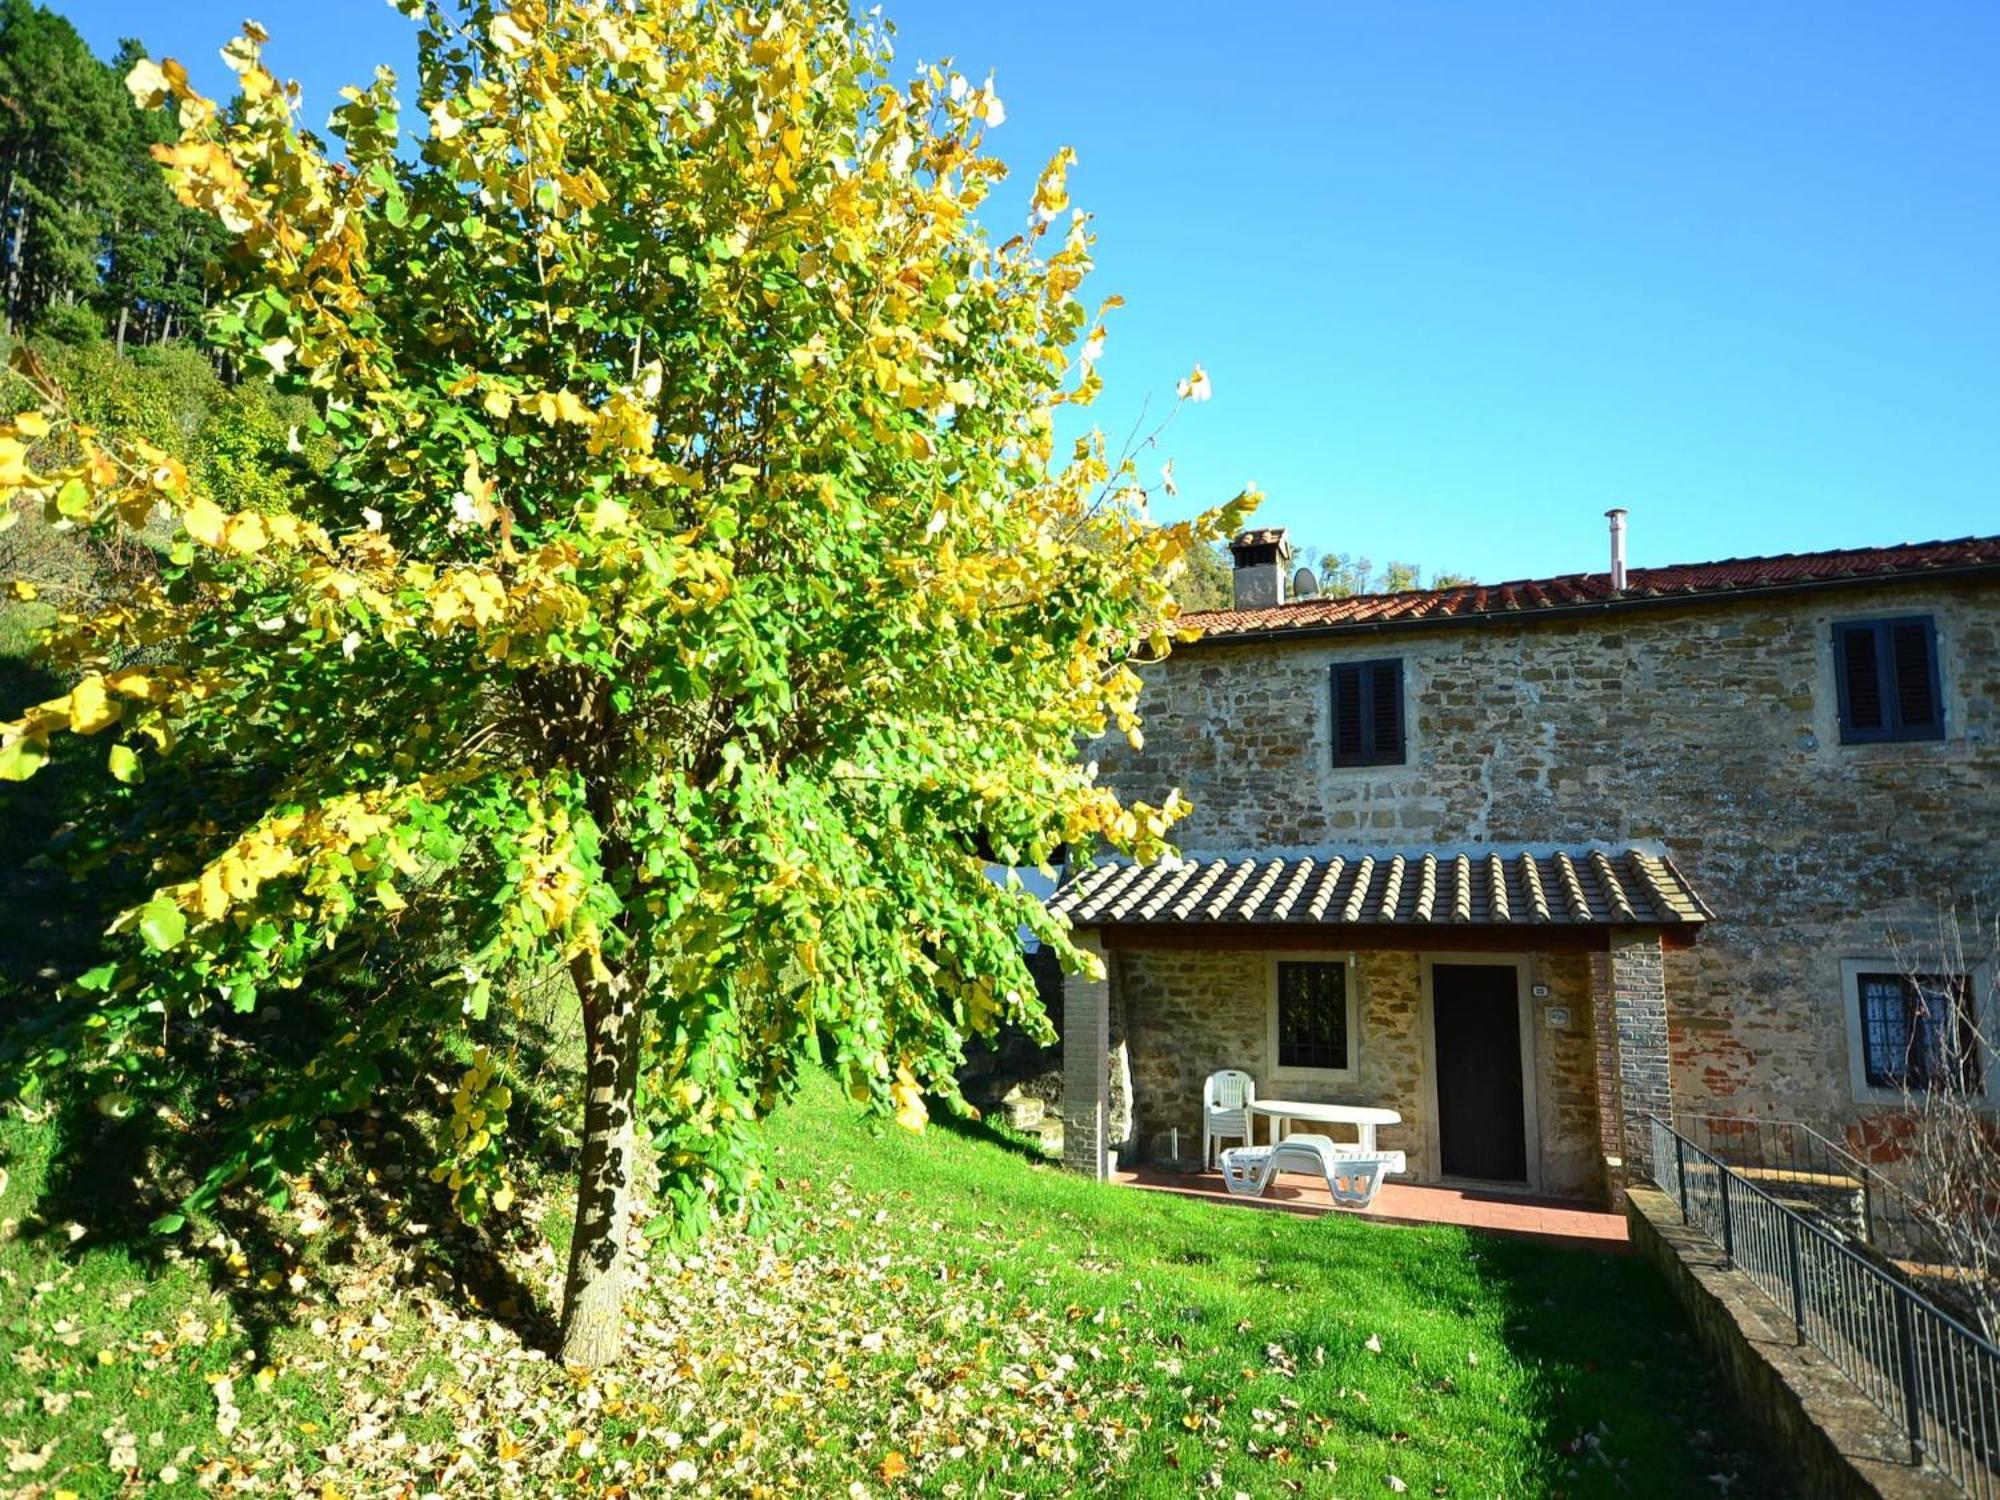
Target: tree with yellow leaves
697	597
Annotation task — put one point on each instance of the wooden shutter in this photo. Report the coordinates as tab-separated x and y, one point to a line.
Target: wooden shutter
1385	711
1888	678
1368	713
1910	650
1862	711
1350	744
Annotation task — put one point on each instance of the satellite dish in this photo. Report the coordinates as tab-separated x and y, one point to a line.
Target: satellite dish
1304	585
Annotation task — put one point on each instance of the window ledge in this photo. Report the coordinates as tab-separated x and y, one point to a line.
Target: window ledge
1315	1075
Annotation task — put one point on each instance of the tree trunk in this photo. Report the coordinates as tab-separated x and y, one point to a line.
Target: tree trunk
14	267
593	1320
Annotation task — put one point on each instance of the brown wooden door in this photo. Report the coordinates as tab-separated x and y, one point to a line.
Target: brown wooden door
1476	1016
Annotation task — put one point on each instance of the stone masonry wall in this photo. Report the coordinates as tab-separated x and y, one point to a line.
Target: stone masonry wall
1711	729
1572	1163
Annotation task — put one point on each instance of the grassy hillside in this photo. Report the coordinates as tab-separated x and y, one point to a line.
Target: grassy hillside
940	1314
935	1315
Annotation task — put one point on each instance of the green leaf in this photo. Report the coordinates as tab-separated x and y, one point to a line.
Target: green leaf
22	759
125	765
162	924
168	1224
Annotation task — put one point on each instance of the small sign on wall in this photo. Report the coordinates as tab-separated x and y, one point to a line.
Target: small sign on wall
1556	1017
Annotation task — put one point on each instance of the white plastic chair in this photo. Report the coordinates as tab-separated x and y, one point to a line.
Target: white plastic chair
1226	1098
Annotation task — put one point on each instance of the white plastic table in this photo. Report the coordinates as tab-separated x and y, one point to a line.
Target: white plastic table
1364	1118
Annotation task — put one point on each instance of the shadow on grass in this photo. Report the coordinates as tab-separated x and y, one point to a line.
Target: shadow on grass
1623	1377
990	1132
115	1166
52	920
122	1154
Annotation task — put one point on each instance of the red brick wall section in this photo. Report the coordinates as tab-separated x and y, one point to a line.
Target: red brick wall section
1604	1026
1639	1016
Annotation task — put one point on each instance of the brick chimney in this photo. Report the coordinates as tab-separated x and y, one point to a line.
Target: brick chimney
1260	556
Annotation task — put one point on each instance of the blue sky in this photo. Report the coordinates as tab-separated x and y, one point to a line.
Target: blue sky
1464	276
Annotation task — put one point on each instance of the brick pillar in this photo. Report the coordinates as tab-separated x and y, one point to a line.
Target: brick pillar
1634	1072
1610	1106
1086	1044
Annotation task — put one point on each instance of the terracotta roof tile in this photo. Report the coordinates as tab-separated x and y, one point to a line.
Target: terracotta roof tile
1579	590
1586	886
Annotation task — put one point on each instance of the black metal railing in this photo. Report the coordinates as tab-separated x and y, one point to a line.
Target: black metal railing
1822	1180
1923	1367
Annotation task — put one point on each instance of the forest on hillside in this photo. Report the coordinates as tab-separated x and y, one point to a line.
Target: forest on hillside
92	243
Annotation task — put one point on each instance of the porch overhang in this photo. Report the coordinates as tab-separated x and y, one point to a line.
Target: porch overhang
1573	897
1622	904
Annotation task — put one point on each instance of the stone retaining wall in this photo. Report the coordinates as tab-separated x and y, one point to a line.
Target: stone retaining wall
1839	1442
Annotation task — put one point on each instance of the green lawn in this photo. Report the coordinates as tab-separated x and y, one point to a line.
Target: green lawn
933	1315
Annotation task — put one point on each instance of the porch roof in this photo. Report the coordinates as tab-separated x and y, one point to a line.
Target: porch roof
1579	887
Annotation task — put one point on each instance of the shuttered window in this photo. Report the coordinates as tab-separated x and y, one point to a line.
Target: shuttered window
1368	713
1887	672
1312	1015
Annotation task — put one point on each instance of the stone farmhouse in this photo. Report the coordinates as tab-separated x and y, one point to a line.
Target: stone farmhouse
1528	862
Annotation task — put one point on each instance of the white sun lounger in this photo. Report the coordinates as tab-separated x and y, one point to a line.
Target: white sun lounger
1353	1176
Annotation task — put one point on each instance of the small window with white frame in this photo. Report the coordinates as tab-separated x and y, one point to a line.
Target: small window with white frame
1911	1033
1312	1017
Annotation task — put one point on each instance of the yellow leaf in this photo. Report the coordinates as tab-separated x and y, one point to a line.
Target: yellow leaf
509	35
204	521
503	1199
13	463
136	682
91	708
22	758
147	84
387	895
125	765
894	1467
909	1100
498	404
32	424
245	533
25	590
212	894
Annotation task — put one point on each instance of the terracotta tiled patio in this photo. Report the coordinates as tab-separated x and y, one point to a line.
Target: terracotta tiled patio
1578	1225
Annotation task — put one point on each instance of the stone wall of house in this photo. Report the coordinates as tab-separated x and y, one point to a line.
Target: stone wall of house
1185	1013
1566	1070
1709	728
